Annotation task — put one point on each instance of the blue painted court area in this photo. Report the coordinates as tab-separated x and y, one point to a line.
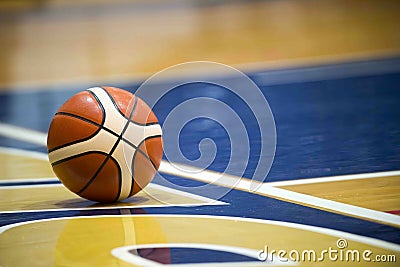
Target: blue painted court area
327	123
324	127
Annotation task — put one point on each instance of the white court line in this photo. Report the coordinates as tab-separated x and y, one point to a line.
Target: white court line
263	189
23	134
22	184
279	193
335	178
329	205
124	254
185	194
268	189
204	201
182	170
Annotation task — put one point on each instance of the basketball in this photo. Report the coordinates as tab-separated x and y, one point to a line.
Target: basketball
105	144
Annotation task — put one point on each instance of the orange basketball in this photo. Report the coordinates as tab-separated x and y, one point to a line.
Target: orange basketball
105	144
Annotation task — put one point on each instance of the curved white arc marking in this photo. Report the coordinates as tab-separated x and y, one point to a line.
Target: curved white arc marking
123	253
113	119
103	141
137	133
316	229
120	154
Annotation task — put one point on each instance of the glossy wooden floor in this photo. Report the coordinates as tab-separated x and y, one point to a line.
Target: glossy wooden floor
381	193
62	42
58	43
58	241
52	41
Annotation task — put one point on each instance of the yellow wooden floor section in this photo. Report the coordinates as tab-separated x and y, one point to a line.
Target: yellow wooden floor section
16	166
61	239
45	43
381	193
51	197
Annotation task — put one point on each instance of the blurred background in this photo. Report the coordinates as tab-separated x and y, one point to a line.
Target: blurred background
46	42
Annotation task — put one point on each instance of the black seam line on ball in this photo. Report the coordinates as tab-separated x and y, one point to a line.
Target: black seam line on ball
77	156
86	120
86	138
130	117
142	152
133	170
119	178
132	175
134	156
144	124
101	106
115	104
118	141
109	155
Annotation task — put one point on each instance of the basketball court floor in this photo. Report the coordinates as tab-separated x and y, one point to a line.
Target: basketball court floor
303	170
